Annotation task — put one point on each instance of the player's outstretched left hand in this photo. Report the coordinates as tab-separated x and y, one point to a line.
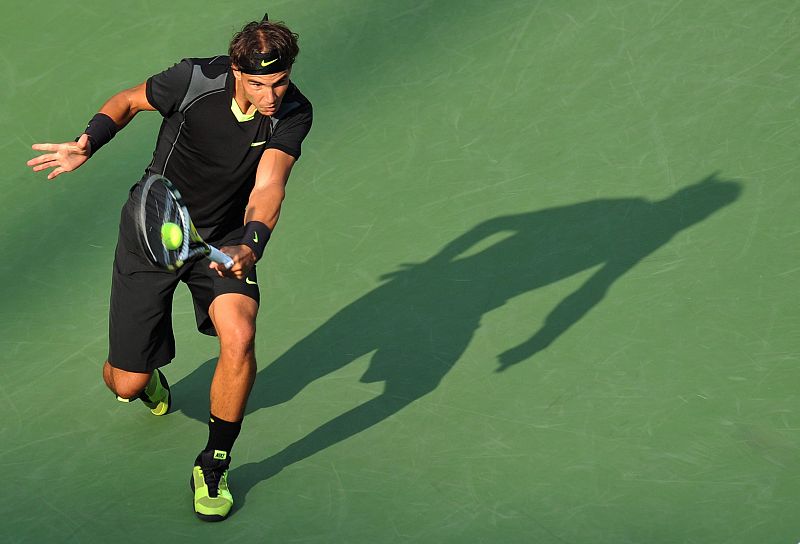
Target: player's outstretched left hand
62	158
243	260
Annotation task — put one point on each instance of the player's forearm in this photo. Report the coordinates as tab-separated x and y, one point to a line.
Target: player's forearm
264	205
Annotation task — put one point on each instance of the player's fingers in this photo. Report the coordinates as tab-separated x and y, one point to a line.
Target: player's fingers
45	147
41	159
45	166
218	268
55	173
233	272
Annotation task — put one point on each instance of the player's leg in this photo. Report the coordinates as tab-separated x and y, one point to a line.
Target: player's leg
234	317
151	387
140	325
124	384
228	308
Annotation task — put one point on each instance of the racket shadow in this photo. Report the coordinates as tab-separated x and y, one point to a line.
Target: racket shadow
420	322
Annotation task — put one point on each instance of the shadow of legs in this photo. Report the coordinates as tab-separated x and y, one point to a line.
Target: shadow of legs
245	477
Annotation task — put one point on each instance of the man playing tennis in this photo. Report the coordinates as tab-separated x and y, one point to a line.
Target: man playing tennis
232	130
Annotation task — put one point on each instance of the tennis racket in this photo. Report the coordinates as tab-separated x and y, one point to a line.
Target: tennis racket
166	233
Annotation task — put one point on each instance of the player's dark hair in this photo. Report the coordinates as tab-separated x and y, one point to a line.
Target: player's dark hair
263	37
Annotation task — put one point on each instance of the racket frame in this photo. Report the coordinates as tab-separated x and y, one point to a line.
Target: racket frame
192	244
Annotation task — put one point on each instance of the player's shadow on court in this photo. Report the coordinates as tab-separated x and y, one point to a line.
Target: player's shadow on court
419	323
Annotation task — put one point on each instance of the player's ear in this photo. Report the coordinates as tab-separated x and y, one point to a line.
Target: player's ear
236	73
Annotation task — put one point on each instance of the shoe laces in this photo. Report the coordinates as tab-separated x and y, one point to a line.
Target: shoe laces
213	472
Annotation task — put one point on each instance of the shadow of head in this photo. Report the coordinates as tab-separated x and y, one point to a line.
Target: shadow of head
696	202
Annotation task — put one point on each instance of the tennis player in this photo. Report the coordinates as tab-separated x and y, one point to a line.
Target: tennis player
232	130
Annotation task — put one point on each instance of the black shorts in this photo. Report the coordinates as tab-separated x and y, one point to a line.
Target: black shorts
140	317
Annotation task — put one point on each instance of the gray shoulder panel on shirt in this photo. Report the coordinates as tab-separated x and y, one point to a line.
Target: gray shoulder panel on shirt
200	84
285	109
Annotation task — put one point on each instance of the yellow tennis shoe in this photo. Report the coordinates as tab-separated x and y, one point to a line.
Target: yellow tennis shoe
212	497
156	394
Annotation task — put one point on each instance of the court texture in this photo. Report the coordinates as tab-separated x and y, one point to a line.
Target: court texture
535	280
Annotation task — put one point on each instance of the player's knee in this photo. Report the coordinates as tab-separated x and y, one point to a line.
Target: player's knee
238	339
128	392
125	385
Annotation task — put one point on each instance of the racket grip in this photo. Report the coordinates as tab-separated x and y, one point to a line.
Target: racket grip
219	257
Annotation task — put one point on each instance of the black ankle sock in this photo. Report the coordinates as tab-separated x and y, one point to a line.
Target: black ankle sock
222	434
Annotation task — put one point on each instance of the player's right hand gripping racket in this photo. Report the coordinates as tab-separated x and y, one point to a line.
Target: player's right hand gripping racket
165	229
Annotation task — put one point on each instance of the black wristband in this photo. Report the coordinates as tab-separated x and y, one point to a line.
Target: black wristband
100	129
256	235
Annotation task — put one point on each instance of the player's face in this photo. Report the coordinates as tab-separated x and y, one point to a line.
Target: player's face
264	92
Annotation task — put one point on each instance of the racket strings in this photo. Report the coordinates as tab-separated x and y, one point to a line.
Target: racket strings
158	206
159	211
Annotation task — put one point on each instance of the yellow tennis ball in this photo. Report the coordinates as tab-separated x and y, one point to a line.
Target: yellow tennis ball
171	235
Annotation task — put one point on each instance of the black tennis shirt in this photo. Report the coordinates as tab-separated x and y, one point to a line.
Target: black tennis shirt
208	148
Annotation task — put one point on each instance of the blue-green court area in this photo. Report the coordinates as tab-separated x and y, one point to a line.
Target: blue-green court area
535	279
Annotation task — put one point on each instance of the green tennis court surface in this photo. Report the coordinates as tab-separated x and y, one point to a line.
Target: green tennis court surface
536	280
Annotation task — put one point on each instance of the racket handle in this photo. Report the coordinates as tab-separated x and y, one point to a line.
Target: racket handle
219	257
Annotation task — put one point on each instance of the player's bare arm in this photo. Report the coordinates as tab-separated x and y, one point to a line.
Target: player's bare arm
263	208
123	106
68	156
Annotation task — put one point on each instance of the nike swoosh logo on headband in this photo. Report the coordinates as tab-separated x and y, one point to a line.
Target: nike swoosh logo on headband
255	144
265	64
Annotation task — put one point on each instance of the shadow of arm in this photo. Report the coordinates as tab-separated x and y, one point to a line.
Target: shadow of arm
459	246
568	312
477	234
